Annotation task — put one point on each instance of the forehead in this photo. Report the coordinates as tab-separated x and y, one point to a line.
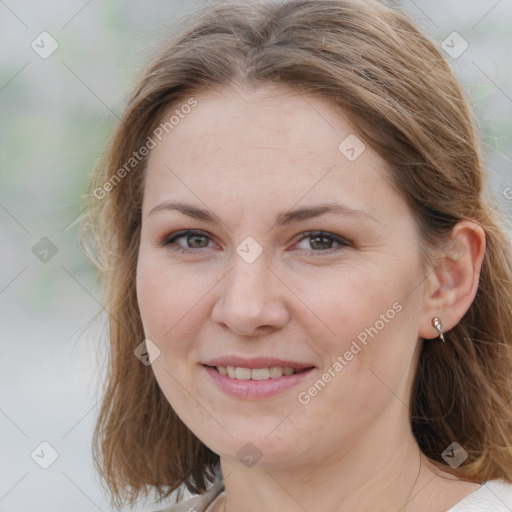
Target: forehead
271	142
269	118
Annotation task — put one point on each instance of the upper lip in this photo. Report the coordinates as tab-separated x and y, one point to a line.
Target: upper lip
257	362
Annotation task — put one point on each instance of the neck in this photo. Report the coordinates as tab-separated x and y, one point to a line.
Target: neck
376	474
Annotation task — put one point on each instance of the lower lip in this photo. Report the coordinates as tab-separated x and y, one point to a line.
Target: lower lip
240	388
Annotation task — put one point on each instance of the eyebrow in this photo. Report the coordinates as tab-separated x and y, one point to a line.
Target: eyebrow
282	219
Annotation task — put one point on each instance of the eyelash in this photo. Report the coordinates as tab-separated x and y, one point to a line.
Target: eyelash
170	241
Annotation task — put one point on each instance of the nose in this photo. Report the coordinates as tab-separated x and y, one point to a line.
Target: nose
251	301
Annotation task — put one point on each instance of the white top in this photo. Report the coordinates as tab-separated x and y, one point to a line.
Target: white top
493	496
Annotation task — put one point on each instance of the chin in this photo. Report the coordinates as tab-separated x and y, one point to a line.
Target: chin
255	445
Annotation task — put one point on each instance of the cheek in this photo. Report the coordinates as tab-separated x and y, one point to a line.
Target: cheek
170	305
168	296
344	302
366	321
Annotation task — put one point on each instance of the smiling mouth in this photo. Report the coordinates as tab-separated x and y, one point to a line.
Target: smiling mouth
272	372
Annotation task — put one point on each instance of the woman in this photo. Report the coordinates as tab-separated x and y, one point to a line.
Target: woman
309	296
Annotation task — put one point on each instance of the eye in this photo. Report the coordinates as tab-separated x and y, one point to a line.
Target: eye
321	241
194	240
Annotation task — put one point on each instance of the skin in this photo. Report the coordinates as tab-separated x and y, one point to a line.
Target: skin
247	156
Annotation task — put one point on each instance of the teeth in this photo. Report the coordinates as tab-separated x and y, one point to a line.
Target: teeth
240	373
260	373
275	372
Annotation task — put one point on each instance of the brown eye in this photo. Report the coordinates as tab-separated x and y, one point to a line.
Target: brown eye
196	241
321	241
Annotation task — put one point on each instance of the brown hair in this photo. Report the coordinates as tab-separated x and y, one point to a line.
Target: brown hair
401	96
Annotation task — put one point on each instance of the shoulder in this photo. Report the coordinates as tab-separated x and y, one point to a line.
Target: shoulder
198	503
493	496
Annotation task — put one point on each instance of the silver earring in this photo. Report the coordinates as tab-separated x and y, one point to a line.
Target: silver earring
436	323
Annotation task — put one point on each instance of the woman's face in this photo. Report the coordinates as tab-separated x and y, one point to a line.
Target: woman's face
302	256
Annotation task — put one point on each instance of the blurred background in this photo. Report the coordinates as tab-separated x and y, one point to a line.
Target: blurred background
66	69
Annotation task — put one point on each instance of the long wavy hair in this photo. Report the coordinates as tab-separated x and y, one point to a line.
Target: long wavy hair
398	92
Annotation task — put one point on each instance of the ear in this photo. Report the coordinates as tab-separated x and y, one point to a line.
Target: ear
453	283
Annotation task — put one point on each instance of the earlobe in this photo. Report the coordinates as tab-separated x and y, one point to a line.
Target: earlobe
453	282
